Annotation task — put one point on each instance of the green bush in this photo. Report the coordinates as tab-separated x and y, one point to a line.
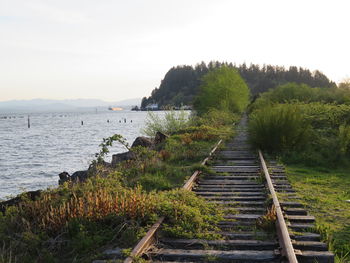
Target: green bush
323	116
291	92
170	123
302	93
278	128
325	125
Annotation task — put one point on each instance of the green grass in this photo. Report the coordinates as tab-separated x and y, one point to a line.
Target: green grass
324	193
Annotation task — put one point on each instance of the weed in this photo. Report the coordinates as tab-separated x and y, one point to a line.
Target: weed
210	258
267	222
189	216
6	254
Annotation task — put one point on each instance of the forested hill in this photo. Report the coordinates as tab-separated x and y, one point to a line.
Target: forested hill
181	84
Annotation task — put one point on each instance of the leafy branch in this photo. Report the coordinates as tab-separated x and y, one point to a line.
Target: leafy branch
108	142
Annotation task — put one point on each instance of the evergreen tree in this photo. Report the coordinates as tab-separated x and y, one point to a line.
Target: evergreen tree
181	84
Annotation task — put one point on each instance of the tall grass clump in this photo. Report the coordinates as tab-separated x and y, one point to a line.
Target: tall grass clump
6	254
93	205
278	128
171	122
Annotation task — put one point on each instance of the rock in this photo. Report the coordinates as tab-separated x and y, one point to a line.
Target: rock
160	137
120	157
64	177
79	176
139	141
31	195
142	141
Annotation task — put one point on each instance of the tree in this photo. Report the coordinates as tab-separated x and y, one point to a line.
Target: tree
222	89
187	79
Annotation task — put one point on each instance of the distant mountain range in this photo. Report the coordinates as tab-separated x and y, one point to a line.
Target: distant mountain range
36	105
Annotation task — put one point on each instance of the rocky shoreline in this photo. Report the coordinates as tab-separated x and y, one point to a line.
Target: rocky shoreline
82	176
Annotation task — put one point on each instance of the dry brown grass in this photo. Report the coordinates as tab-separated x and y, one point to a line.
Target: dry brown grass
95	205
267	221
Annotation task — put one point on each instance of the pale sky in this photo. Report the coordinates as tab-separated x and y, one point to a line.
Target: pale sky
114	50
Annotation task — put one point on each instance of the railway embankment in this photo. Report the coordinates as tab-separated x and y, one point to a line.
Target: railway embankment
263	220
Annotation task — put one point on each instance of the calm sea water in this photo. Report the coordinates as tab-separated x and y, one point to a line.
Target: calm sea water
31	159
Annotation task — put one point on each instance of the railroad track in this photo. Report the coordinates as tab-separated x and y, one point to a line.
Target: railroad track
243	182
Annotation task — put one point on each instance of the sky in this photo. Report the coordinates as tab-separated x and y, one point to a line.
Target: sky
117	49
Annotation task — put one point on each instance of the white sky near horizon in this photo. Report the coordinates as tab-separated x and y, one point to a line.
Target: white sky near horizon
114	50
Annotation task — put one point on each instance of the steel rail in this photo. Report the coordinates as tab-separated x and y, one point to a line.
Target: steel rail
190	182
284	238
149	238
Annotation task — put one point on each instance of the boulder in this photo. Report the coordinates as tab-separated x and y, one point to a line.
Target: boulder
139	141
160	137
120	157
79	176
142	141
64	177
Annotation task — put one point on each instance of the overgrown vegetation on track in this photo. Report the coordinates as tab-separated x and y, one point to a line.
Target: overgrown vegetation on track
309	130
324	192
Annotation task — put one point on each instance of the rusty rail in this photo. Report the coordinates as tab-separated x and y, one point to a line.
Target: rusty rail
282	230
149	238
190	182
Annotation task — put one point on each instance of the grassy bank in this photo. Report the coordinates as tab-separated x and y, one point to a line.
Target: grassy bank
116	205
324	192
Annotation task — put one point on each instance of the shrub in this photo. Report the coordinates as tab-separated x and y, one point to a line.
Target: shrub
323	116
170	123
293	92
278	128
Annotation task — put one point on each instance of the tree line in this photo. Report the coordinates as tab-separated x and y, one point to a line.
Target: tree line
181	84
